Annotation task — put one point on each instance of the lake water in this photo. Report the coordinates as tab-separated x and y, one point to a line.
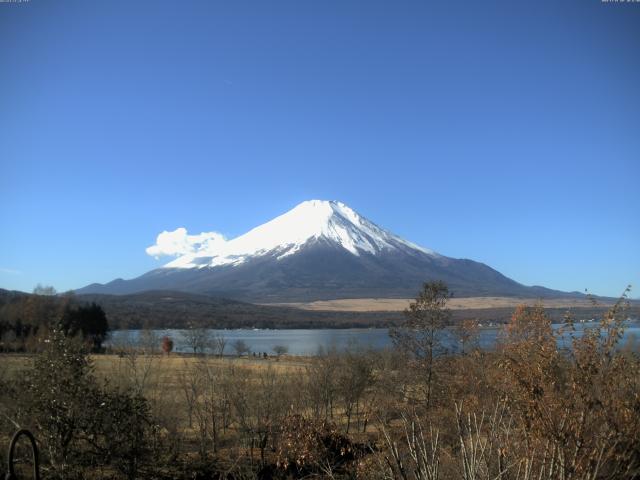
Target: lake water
308	341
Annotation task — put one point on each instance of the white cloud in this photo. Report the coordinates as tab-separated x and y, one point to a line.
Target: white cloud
179	242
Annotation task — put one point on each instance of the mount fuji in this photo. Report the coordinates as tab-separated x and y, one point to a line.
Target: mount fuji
319	250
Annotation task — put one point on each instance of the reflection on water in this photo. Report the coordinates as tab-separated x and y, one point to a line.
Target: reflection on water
308	341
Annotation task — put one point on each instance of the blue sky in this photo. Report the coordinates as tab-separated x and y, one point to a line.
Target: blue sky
506	132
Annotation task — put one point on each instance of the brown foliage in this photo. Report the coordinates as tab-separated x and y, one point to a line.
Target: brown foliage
307	446
576	408
167	345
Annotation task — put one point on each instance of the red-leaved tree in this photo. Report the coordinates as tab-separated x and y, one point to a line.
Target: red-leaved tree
167	345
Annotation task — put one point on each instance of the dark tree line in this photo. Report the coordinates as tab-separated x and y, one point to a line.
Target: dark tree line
26	318
89	321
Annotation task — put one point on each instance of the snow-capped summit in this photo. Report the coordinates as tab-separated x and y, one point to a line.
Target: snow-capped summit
310	221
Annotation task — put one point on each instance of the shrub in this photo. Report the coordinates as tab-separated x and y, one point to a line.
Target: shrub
78	421
167	345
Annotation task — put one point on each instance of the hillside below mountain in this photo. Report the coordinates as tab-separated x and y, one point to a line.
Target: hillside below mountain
171	309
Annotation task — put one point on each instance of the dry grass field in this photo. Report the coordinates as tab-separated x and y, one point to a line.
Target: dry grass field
399	304
182	391
165	372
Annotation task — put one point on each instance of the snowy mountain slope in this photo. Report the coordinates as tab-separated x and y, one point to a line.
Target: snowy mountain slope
319	250
287	234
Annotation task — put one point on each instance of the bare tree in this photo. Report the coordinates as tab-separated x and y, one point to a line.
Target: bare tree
354	376
322	384
148	341
190	386
466	332
46	290
417	456
280	350
241	347
260	401
198	339
419	335
210	403
218	343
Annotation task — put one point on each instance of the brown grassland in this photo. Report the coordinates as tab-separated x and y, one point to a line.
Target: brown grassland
400	304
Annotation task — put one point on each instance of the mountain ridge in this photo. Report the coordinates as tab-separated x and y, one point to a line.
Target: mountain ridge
319	250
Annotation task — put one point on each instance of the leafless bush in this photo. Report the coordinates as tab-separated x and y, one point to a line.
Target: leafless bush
412	455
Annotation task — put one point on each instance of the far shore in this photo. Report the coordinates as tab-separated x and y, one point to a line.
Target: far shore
399	304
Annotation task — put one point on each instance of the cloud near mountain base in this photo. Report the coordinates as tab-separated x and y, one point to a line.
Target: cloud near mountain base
179	242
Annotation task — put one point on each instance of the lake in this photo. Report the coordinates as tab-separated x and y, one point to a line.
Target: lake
309	341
